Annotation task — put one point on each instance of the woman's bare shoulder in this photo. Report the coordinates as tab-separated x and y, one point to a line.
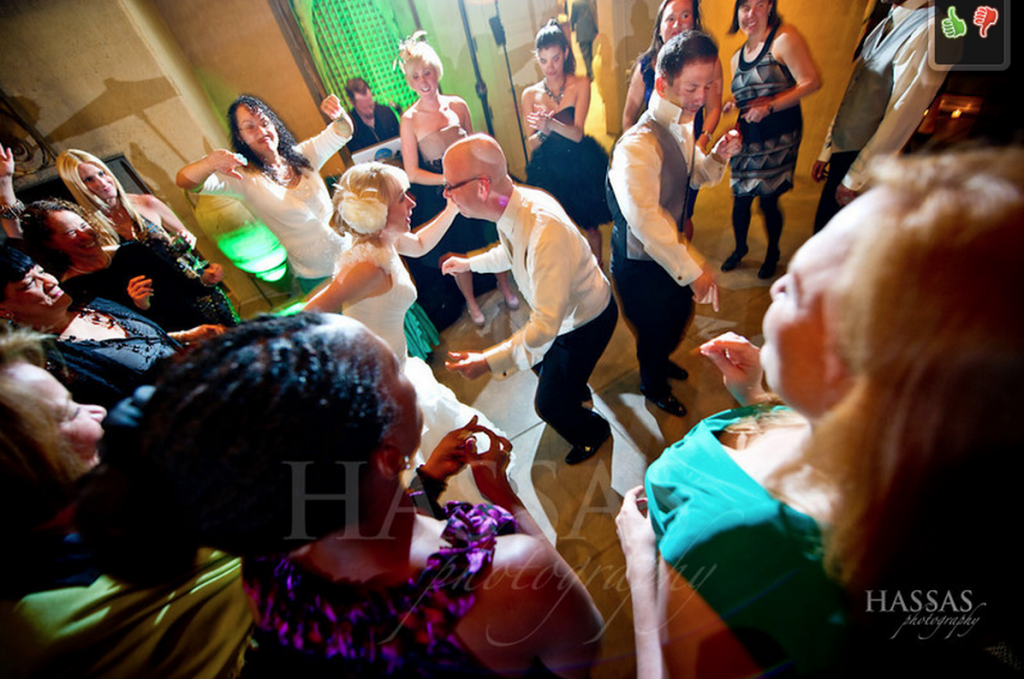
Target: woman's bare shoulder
408	113
145	201
787	35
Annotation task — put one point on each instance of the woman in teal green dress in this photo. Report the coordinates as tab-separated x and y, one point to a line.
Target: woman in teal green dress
798	541
741	569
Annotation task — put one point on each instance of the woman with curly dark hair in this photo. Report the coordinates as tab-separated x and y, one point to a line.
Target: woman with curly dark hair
72	246
278	179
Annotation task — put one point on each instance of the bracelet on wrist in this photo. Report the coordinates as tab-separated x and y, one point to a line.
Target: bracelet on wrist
12	210
433	487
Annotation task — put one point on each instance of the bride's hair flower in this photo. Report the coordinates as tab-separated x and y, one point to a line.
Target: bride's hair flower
365	212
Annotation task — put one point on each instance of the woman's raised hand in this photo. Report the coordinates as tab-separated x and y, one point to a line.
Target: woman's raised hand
739	361
225	162
332	108
6	162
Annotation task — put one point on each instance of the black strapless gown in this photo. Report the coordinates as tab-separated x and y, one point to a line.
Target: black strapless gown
574	173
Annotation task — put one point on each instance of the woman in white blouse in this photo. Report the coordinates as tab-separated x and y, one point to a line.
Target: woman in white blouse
279	181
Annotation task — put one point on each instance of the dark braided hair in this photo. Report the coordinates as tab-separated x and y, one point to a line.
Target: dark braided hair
286	144
234	435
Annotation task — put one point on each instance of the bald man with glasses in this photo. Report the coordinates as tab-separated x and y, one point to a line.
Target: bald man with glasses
573	311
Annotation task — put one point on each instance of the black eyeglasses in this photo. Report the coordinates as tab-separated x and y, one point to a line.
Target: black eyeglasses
448	188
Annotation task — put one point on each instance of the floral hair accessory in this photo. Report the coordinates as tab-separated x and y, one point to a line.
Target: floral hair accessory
364	213
405	48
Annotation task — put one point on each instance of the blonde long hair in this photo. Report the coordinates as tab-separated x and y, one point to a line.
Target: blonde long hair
67	166
924	450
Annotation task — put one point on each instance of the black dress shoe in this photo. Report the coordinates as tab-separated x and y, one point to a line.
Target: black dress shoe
582	453
676	371
733	260
669	403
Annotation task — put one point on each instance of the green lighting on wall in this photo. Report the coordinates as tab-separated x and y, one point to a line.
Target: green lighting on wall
359	38
255	250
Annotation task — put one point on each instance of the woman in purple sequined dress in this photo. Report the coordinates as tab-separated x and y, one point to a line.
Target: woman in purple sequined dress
285	443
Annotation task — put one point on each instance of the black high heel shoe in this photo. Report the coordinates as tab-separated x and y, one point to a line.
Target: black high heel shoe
734	259
767	269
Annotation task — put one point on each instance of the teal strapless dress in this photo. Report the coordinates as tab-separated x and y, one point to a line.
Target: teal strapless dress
754	560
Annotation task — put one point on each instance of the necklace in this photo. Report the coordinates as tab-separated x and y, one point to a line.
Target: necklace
119	217
557	98
78	327
282	174
97	318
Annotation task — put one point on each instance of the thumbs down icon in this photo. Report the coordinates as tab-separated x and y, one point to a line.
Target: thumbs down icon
984	18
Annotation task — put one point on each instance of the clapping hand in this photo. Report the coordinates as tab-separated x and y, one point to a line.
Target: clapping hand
539	119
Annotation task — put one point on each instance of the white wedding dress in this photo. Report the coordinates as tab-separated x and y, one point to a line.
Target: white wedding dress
385	316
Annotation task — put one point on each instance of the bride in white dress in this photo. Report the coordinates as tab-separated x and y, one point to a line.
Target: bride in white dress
372	285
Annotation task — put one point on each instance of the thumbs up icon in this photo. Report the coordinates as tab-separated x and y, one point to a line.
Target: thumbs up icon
984	17
953	26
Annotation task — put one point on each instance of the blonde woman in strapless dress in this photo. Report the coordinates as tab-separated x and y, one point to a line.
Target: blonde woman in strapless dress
432	124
